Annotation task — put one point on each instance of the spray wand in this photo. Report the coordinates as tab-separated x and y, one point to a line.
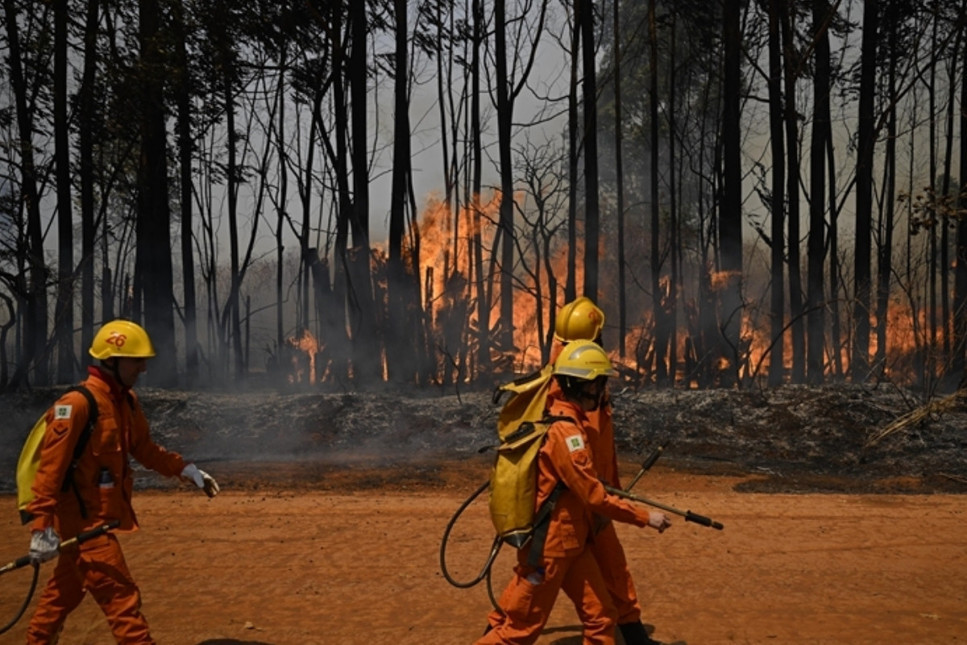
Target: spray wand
24	560
645	467
688	515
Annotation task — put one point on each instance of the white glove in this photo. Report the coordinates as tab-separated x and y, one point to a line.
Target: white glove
201	479
44	545
658	521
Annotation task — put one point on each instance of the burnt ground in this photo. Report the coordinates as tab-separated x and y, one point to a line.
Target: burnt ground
791	439
330	524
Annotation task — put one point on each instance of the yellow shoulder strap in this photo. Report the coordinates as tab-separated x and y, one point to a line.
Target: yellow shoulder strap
527	402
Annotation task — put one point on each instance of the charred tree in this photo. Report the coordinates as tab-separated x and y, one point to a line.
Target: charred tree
31	283
777	303
793	63
365	342
959	362
930	357
225	56
658	297
402	331
574	156
675	242
859	365
340	162
592	234
444	53
816	247
64	309
947	201
476	186
153	263
834	324
87	126
730	212
182	89
886	224
281	214
619	180
505	239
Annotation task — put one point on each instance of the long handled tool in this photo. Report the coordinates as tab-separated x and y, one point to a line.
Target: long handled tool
24	560
646	466
688	515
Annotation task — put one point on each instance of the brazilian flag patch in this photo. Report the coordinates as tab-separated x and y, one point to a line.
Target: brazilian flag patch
575	442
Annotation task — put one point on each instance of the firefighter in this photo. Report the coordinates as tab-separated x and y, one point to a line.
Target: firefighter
581	319
566	459
100	490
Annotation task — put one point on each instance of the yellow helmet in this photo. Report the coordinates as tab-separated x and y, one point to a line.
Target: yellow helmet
580	319
121	338
585	360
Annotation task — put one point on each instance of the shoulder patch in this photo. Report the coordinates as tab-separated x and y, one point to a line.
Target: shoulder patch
575	442
62	411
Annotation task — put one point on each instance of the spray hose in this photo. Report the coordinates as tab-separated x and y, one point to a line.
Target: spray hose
24	560
485	572
494	549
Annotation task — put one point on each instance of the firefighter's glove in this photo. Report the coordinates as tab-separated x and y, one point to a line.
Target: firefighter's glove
658	521
201	479
44	545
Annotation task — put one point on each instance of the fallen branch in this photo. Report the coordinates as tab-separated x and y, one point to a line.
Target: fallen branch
916	416
962	480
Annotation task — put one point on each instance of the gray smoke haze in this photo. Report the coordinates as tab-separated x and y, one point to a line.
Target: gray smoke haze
789	435
334	429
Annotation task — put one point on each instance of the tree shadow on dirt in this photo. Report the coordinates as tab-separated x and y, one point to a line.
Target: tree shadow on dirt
232	641
573	639
576	638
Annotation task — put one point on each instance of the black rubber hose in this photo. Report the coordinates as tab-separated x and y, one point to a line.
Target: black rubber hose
26	603
494	549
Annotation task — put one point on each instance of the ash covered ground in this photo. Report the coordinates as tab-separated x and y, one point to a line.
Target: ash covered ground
790	439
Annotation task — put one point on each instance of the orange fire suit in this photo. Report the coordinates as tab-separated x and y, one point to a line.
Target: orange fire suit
606	548
104	483
566	563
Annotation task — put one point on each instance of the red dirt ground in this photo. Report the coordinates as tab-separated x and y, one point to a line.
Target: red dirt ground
352	557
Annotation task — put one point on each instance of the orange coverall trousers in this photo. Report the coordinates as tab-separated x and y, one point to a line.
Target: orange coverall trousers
610	556
530	596
98	566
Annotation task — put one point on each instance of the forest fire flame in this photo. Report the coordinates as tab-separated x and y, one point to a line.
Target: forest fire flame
449	292
301	370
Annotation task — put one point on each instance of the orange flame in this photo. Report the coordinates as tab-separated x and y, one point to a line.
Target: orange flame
307	343
449	292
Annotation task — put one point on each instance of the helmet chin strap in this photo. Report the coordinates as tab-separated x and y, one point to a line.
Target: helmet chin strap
585	396
111	364
579	393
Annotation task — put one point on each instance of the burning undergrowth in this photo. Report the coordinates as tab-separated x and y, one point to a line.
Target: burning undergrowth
791	439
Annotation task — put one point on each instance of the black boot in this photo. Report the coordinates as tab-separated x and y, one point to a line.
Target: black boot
635	634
